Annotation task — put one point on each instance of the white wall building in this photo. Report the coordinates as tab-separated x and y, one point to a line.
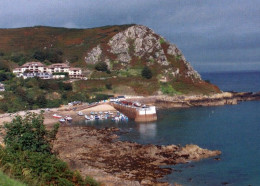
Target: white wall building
37	69
2	87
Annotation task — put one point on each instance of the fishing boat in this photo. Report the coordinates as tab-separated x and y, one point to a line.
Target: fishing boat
57	116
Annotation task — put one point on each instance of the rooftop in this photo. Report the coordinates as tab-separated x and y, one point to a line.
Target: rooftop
33	63
59	65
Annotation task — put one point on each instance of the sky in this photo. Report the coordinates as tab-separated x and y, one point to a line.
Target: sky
214	35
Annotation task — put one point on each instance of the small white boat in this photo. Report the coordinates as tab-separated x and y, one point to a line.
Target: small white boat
87	117
62	120
68	118
92	117
80	113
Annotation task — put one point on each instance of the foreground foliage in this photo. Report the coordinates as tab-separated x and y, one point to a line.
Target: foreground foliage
6	181
28	157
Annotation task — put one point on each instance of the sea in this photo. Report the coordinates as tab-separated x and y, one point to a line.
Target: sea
232	129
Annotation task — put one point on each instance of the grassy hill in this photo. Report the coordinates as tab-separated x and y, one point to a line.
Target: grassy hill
20	44
125	49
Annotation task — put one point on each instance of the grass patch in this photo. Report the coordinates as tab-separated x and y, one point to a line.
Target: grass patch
167	88
6	181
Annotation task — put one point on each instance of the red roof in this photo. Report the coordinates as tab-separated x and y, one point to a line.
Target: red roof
57	65
75	68
39	64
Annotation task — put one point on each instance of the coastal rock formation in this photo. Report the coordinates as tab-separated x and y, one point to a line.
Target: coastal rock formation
141	43
98	153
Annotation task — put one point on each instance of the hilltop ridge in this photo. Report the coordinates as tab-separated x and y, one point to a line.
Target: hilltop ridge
125	49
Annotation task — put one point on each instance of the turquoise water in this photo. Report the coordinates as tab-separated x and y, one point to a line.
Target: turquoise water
233	129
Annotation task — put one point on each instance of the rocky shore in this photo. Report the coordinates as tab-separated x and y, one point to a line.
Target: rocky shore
99	153
224	98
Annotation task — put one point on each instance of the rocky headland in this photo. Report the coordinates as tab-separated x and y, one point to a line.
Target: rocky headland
182	101
99	153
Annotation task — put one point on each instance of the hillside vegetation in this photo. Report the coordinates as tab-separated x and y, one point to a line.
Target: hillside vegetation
27	154
6	181
125	59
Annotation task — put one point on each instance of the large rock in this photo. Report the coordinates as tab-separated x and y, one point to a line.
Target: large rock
141	42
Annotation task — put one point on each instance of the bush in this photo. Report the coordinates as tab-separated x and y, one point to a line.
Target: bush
19	58
28	157
109	86
27	133
52	55
102	66
147	73
168	89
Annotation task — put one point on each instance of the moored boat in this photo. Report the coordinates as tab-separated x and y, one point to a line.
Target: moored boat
62	120
80	113
57	116
87	117
68	118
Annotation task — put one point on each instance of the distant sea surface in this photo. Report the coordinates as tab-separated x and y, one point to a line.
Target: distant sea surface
232	129
236	81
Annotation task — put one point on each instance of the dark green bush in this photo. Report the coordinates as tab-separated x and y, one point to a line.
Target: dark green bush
109	86
52	55
147	73
27	133
102	66
28	157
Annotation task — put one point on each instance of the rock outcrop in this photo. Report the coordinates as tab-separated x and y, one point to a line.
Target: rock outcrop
98	153
142	43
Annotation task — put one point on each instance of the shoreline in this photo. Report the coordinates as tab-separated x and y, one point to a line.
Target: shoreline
225	98
161	102
99	153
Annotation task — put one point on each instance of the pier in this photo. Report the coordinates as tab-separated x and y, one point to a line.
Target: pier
136	113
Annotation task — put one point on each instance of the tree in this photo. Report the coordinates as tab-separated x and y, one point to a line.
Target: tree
41	101
52	55
29	133
147	73
102	66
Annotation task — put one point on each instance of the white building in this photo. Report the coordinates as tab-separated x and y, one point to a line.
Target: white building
2	87
37	69
75	73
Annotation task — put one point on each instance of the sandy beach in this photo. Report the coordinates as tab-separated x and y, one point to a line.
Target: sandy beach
63	111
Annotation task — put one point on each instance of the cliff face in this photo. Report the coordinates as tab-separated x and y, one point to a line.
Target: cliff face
139	43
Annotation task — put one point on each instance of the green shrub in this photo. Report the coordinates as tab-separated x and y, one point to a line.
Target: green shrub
162	41
109	86
27	155
101	66
27	133
147	73
52	55
168	89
